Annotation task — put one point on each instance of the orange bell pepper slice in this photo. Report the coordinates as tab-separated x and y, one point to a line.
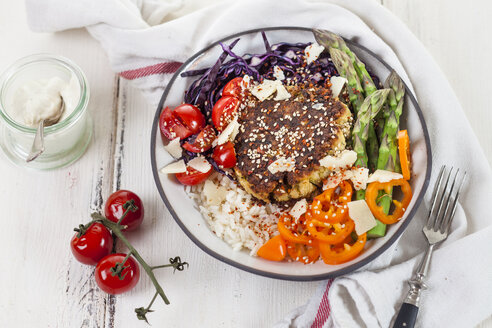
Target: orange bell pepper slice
274	249
330	206
404	153
400	207
330	233
292	230
304	253
343	252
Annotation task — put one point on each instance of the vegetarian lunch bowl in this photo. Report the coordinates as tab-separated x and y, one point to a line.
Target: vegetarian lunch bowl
286	152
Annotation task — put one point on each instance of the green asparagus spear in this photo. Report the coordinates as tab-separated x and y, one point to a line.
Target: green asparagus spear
344	66
331	40
360	133
388	150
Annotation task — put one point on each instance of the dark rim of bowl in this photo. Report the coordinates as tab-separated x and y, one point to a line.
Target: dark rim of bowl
323	276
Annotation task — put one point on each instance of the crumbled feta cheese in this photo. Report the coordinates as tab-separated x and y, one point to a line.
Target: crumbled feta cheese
227	133
318	106
360	213
246	82
175	167
282	93
278	73
200	164
255	61
299	209
312	52
384	176
214	194
282	164
359	177
337	83
345	160
174	148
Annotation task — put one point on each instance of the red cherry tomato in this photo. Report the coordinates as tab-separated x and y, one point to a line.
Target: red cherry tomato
225	155
233	88
115	207
110	282
223	111
192	177
203	141
184	121
93	245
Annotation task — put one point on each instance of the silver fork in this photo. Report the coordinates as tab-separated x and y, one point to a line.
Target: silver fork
441	213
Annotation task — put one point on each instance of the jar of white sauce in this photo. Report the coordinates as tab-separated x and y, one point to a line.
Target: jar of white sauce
31	90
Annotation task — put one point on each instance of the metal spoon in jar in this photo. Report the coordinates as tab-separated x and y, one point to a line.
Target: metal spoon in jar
38	144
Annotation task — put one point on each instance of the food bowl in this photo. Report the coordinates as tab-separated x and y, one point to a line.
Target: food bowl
195	226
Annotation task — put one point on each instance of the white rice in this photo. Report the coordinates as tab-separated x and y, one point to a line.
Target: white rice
233	215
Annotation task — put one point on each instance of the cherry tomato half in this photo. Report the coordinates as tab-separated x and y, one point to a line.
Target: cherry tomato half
192	177
93	245
115	207
225	155
184	121
233	88
223	111
203	141
110	282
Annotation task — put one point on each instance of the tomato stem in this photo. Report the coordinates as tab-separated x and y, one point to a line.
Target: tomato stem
116	229
173	262
128	206
141	312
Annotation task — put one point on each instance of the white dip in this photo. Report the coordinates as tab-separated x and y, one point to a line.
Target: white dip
41	100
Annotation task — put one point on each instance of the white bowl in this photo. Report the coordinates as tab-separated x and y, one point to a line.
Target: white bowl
184	211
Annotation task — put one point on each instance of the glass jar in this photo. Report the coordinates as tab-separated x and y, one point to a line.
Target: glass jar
64	141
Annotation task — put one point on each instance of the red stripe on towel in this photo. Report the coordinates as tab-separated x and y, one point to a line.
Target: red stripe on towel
162	68
324	308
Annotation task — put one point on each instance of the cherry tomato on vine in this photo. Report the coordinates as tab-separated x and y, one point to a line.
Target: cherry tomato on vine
225	155
184	121
112	283
233	88
203	141
223	111
93	245
192	177
115	207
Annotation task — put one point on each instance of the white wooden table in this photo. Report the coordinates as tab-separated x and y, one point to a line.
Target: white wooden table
41	285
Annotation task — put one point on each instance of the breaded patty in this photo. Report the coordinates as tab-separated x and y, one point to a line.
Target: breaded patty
302	129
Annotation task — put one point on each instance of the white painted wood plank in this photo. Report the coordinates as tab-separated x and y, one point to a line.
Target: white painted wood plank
208	294
457	34
42	285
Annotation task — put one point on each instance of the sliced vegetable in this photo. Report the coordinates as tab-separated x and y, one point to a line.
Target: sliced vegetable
404	152
344	252
293	230
274	249
182	122
203	141
330	205
378	231
372	195
234	88
330	233
305	253
225	155
224	111
192	177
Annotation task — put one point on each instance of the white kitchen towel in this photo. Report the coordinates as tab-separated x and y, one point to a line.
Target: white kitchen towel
147	40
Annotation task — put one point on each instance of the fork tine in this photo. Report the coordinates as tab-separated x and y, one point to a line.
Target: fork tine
444	219
434	195
455	204
441	210
442	194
